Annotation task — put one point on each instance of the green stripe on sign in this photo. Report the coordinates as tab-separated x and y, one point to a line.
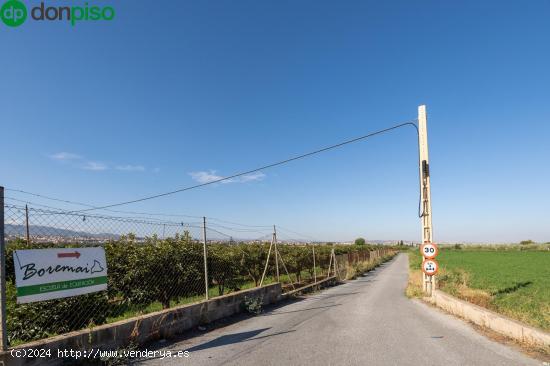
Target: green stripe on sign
60	286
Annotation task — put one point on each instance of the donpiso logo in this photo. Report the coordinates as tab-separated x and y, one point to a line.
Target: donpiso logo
14	13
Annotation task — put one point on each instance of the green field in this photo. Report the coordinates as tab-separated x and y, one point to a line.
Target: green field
512	282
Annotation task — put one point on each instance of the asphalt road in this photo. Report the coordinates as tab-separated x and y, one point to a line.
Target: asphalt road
368	321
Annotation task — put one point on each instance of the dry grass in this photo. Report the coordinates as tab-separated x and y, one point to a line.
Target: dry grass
478	297
457	283
360	268
459	288
414	285
510	282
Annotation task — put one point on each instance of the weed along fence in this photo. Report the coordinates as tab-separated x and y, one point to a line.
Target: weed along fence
66	271
353	263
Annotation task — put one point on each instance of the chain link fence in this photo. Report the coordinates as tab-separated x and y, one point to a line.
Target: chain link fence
153	265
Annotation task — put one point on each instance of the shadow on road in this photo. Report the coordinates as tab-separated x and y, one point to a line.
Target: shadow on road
297	311
269	310
224	340
215	325
324	297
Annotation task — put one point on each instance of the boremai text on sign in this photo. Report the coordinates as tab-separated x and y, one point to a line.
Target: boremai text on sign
45	274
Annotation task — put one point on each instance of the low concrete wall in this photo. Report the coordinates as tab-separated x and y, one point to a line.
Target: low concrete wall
158	325
489	319
330	281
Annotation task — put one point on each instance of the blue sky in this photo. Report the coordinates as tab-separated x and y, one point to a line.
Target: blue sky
171	93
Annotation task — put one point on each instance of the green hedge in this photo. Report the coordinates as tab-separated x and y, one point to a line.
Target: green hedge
154	271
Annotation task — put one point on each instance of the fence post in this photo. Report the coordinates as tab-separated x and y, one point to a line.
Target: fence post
329	264
336	274
205	257
276	253
27	224
314	269
3	329
267	260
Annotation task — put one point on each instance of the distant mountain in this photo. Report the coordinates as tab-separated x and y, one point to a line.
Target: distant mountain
37	230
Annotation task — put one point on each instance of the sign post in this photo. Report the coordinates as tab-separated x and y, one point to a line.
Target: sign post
46	274
425	192
205	257
3	328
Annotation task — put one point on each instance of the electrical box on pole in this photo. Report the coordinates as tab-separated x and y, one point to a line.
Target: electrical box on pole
425	193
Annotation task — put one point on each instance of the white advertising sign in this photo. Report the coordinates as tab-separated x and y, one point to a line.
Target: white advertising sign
45	274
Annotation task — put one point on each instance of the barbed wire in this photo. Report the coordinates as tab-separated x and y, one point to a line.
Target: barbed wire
279	227
42	214
175	215
39	211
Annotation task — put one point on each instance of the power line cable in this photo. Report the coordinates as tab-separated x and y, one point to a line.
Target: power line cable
279	227
118	211
238	230
106	207
95	207
32	206
244	229
331	147
31	203
219	232
236	223
51	211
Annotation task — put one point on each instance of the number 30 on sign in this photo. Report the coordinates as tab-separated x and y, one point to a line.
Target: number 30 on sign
430	267
429	250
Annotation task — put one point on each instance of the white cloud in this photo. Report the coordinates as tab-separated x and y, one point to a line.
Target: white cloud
65	156
203	177
77	161
95	166
252	177
131	168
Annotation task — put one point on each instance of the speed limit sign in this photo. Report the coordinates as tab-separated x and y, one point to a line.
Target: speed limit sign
429	250
430	267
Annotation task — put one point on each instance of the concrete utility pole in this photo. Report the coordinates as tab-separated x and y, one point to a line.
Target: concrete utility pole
425	193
